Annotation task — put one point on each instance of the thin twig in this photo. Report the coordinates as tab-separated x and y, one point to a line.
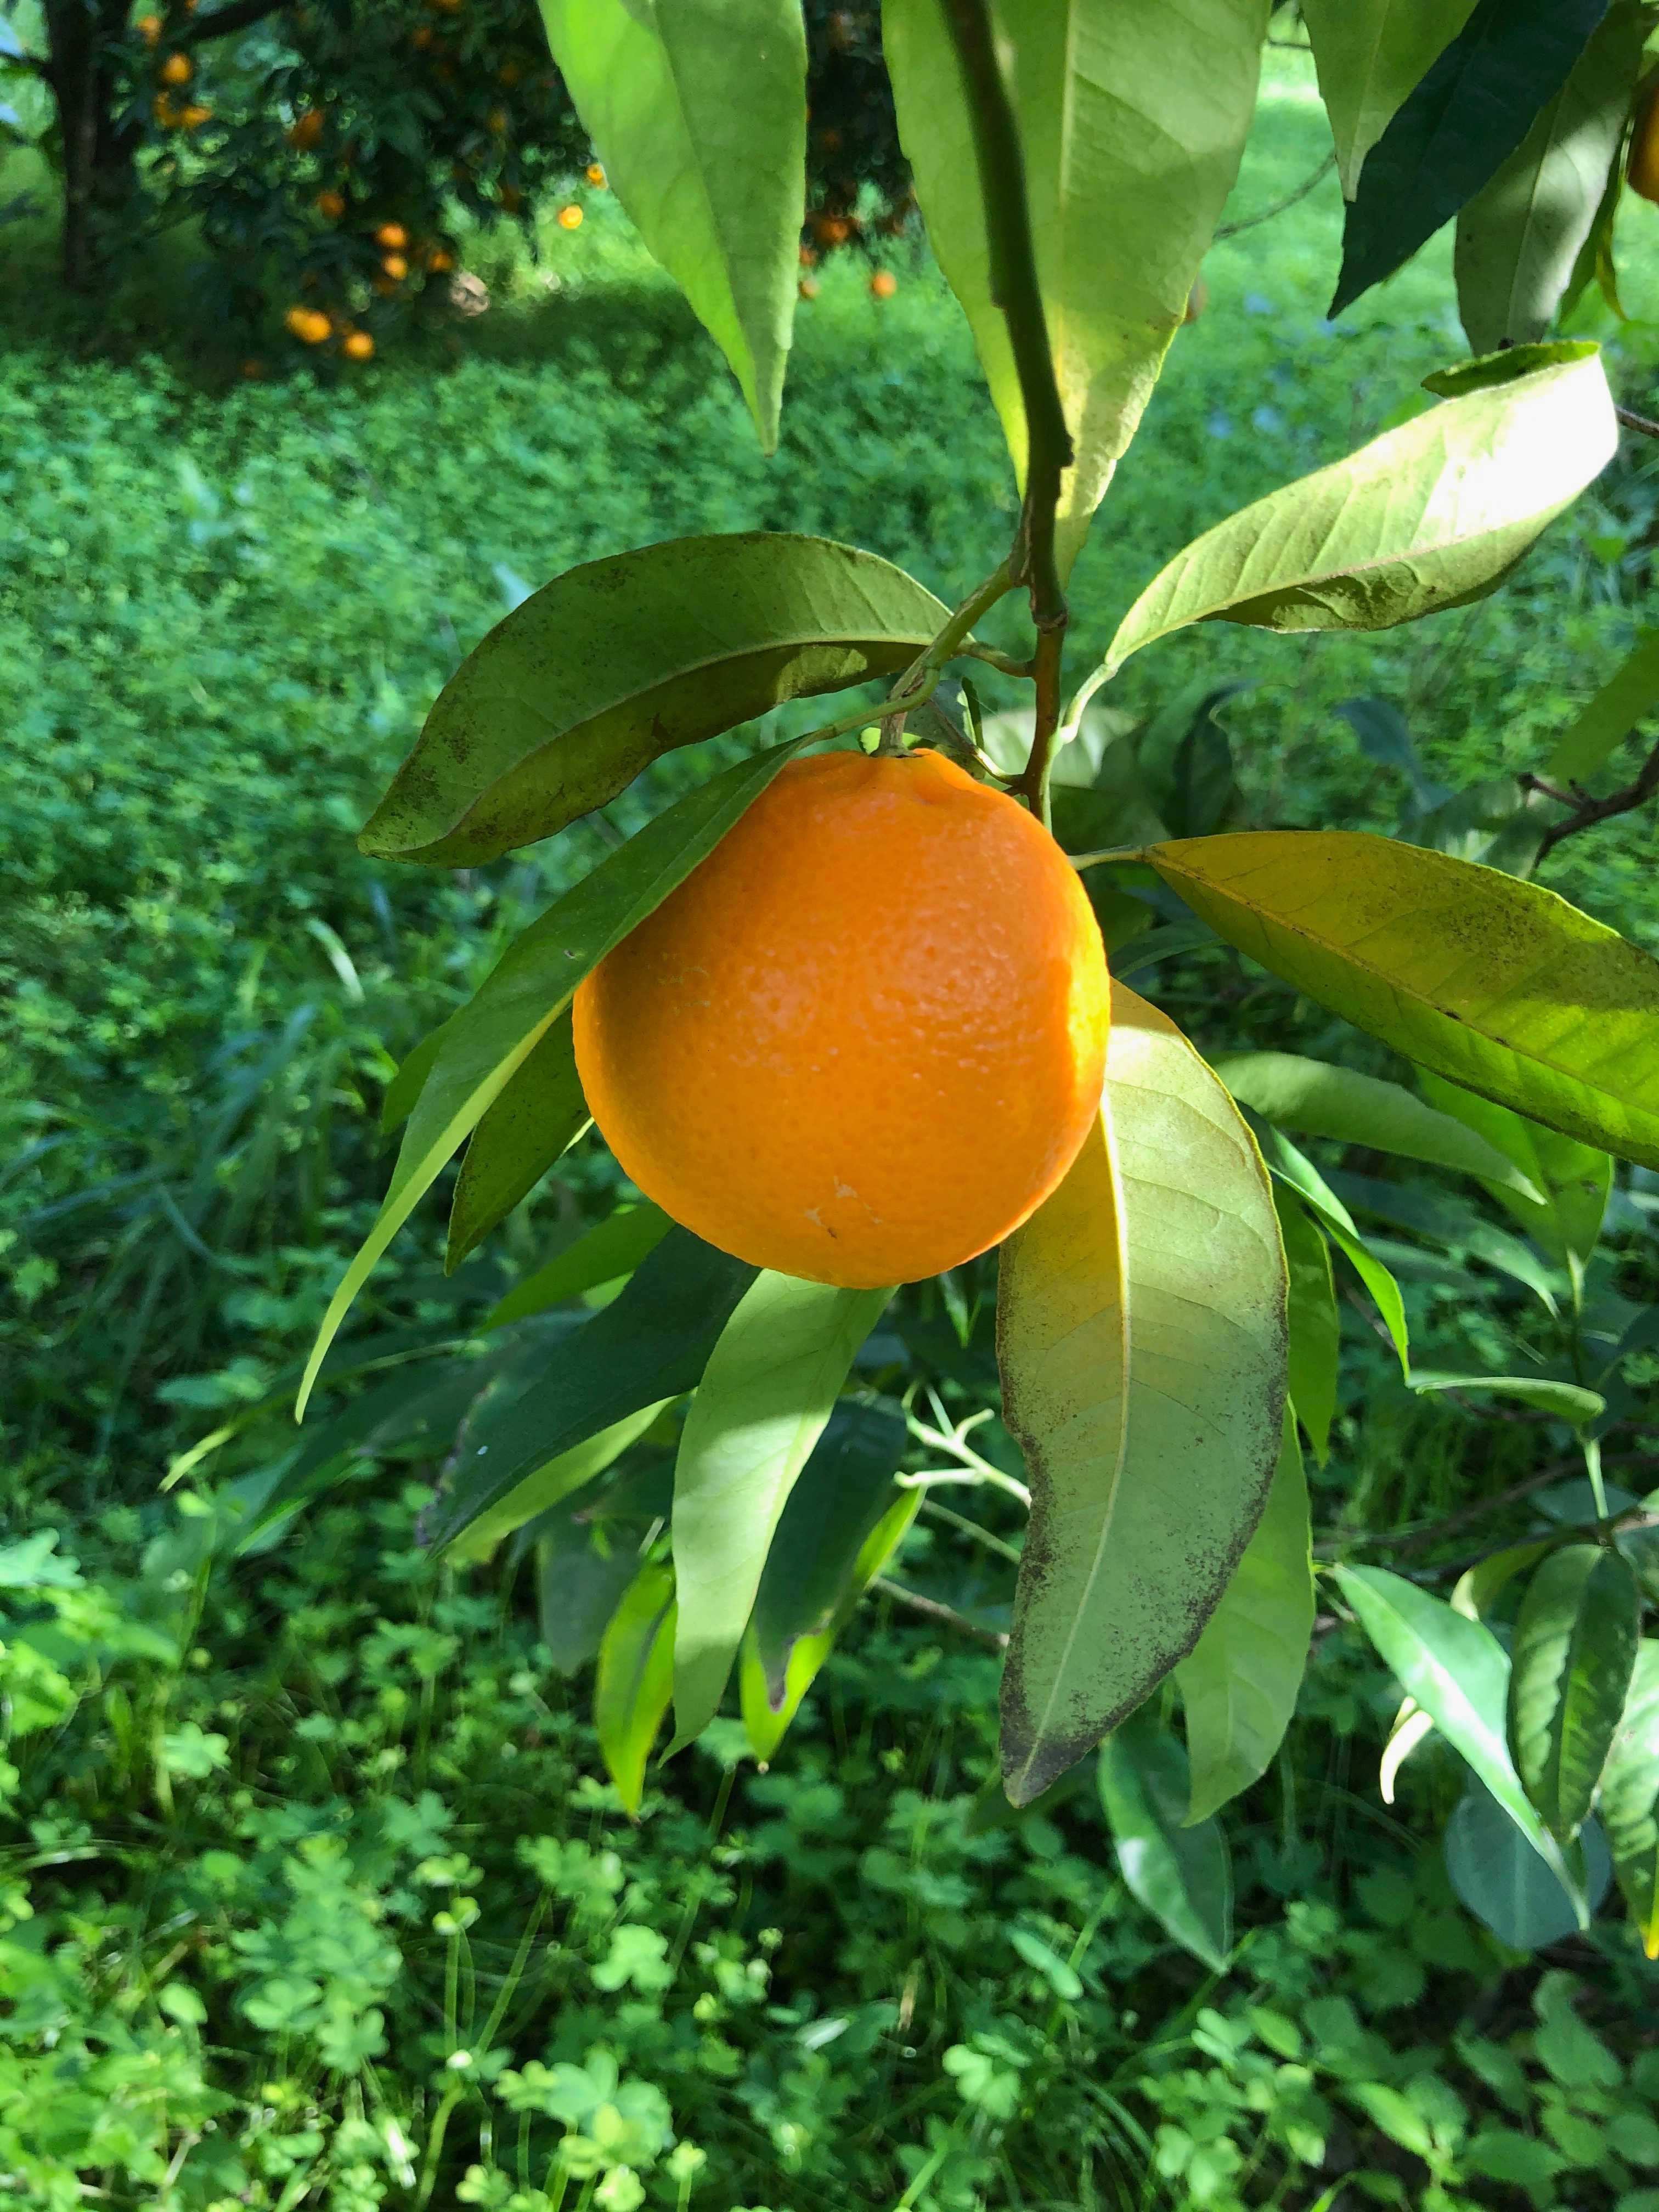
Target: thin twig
974	1531
1283	206
1586	810
1632	421
946	1615
1016	291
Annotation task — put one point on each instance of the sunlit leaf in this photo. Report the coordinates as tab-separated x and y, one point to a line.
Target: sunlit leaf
1316	1326
1519	239
1465	117
651	1344
1369	54
714	185
770	1384
1140	1328
490	1040
1497	984
1182	1875
1574	1645
560	1478
1294	1167
635	1680
1315	1099
1428	515
1568	1401
1571	1183
627	658
1127	163
538	1117
1239	1682
1624	702
1478	1587
1630	1798
770	1705
616	1247
1459	1674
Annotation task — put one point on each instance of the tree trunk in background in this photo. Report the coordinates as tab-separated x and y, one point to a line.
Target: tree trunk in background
98	156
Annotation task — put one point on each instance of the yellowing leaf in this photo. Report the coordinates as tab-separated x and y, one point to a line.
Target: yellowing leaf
1129	157
1141	1337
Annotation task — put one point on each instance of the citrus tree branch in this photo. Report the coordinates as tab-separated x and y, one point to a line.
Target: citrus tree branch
946	1615
1281	206
1586	812
1016	291
224	22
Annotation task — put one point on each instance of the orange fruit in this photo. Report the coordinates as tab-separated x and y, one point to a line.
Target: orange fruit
1643	167
193	117
395	267
392	236
440	259
176	70
808	287
570	218
163	110
305	131
496	122
595	175
149	28
359	346
308	324
866	1038
884	284
832	229
809	255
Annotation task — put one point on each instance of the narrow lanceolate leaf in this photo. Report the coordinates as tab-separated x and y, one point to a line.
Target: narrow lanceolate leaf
1567	1402
769	1705
612	1249
635	1680
1459	1675
1574	1647
492	1036
1295	1169
770	1386
409	1080
1625	701
1127	163
1519	239
1239	1682
651	1344
1630	1798
1316	1100
1140	1332
1496	983
714	184
1316	1326
1467	117
1182	1875
1369	54
617	662
538	1117
559	1479
1503	1881
1571	1182
1430	515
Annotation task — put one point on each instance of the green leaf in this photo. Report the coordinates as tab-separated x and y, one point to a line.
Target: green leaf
1478	1587
1578	1408
714	184
1575	1646
1317	1100
1519	239
1183	1877
1497	984
409	1080
1459	1674
544	1488
1489	370
651	1344
634	1680
1430	515
1499	1875
845	1489
1140	1326
616	1247
1239	1682
1468	115
770	1385
1630	1798
1316	1326
536	1119
768	1707
1571	1183
1294	1167
1369	54
1625	701
579	1586
491	1038
617	662
1127	162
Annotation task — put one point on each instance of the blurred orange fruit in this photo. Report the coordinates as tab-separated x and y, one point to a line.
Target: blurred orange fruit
392	236
884	284
359	346
570	218
866	1038
595	175
177	69
305	131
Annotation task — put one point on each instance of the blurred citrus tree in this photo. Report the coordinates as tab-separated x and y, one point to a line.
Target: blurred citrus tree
327	151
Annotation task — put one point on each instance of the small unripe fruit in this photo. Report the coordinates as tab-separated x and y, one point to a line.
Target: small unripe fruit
392	236
808	287
176	70
438	260
395	267
359	346
884	284
595	173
